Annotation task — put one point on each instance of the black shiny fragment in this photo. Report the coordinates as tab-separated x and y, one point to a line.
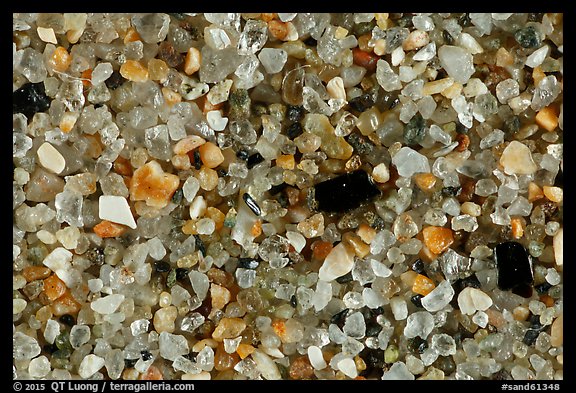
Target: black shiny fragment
373	328
294	113
146	355
189	356
362	102
543	288
464	20
242	154
462	129
293	301
417	300
339	318
534	321
418	266
248	263
368	313
181	273
514	265
345	192
470	281
67	319
115	80
451	191
294	130
252	204
417	345
254	160
448	40
161	266
130	363
394	103
531	336
30	99
374	358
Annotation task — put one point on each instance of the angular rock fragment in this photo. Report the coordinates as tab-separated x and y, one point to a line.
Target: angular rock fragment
345	192
514	266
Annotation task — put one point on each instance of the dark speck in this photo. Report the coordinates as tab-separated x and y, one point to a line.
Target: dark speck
339	318
130	363
531	336
372	328
254	160
67	319
252	204
181	273
115	80
418	344
248	263
362	103
418	266
242	154
294	113
146	355
161	266
30	99
471	281
374	358
417	300
451	191
542	288
294	130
